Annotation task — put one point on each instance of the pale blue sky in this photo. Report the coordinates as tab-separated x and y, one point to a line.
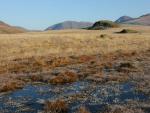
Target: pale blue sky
39	14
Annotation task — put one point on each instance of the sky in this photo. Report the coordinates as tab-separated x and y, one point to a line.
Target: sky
40	14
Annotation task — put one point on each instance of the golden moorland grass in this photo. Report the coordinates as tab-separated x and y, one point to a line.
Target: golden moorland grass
71	43
36	52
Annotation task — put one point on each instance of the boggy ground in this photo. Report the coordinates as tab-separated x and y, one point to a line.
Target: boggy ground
113	83
76	71
61	70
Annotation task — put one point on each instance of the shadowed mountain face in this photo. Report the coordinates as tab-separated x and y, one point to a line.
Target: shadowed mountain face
7	29
124	19
70	25
142	20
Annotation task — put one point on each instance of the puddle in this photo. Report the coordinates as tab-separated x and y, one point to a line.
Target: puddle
31	98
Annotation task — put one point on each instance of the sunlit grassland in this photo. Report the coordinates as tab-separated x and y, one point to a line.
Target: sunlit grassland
72	42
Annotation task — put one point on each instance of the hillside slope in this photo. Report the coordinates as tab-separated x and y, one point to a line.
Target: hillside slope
8	29
142	20
70	25
124	19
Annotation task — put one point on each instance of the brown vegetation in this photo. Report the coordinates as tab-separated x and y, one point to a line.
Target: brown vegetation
83	110
65	77
126	67
11	86
36	78
58	106
38	53
73	43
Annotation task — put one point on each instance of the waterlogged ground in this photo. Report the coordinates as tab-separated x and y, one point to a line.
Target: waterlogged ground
94	96
120	87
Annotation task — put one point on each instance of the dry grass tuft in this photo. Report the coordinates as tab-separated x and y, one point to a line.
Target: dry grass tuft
36	78
83	110
60	61
11	86
66	77
58	106
85	58
126	67
33	64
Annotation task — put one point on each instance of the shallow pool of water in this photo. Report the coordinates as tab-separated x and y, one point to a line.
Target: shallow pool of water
30	99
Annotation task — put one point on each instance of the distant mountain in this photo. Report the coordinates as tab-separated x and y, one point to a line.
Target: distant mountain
8	29
124	19
145	15
70	25
21	28
142	20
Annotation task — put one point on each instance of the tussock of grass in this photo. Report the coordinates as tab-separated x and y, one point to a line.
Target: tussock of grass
66	77
11	86
83	110
58	106
34	64
85	58
103	36
36	78
125	67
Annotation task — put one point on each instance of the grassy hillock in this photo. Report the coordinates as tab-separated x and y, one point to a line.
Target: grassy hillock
127	31
104	24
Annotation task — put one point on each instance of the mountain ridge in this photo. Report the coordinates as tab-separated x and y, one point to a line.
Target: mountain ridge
70	25
141	20
8	29
124	19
